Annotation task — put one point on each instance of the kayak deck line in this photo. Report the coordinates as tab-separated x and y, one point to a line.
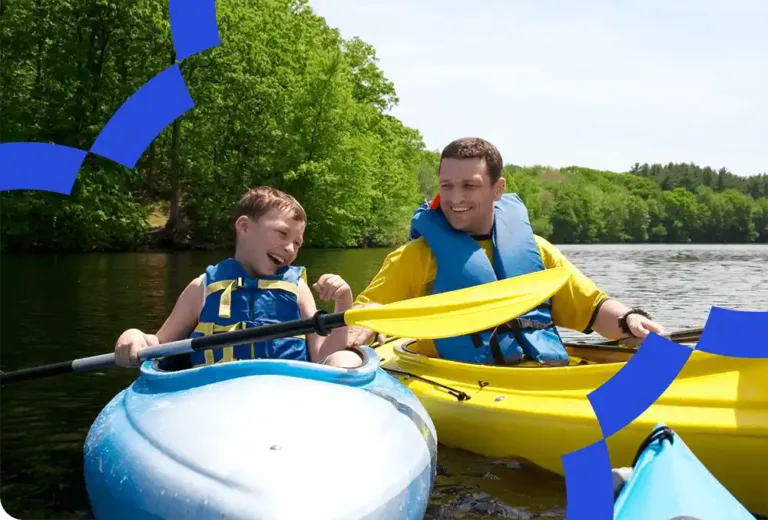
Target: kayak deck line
458	394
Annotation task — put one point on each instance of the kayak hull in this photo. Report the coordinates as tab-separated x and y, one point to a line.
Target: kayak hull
719	405
262	439
668	481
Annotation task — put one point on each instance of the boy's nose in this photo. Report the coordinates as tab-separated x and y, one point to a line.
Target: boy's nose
290	248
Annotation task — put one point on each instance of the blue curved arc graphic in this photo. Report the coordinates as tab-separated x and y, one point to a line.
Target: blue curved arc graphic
193	26
588	483
39	166
732	333
639	383
154	106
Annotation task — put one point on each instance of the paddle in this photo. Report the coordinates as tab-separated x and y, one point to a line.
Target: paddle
453	313
681	336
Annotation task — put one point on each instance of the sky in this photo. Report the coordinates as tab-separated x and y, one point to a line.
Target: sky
591	83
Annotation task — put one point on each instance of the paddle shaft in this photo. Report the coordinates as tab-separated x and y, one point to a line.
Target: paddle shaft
448	314
320	323
681	336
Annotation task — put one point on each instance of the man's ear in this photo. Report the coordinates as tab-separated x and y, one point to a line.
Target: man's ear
501	186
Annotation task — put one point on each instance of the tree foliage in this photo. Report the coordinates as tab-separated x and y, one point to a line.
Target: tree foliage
285	101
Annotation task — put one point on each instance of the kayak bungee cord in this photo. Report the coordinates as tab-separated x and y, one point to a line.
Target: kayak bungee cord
458	394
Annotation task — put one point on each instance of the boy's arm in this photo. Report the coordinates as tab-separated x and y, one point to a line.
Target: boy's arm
185	314
178	325
319	346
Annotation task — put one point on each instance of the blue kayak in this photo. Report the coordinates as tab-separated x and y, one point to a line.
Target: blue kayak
668	482
267	439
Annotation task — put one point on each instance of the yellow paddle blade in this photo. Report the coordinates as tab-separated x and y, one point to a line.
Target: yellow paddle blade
460	312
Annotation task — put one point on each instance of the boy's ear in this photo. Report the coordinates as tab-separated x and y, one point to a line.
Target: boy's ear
241	224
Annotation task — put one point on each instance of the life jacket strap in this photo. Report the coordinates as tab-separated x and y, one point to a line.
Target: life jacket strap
514	326
225	303
208	328
520	324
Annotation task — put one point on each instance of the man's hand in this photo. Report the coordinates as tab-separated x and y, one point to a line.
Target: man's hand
357	335
607	324
642	326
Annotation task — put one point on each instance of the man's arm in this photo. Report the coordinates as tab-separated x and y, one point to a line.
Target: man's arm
580	305
397	280
607	323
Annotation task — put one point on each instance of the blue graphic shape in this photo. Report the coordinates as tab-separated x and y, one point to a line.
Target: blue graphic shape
39	166
638	384
193	26
589	483
157	104
739	334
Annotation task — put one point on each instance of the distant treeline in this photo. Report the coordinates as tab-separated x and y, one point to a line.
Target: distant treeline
285	101
580	205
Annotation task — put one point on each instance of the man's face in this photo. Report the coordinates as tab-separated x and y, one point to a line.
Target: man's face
467	195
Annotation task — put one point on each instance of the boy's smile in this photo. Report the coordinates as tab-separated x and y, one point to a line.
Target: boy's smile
268	243
278	260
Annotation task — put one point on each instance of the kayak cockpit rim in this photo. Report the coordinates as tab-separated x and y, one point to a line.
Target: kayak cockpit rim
169	375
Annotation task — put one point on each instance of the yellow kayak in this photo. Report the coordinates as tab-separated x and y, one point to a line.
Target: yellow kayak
718	404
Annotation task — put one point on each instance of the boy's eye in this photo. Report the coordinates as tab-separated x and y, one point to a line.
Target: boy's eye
282	233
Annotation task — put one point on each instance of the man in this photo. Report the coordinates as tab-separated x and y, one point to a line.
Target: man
470	216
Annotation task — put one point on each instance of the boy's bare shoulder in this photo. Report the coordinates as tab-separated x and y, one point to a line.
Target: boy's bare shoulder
194	293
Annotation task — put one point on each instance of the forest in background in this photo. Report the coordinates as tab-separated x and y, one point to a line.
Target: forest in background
286	101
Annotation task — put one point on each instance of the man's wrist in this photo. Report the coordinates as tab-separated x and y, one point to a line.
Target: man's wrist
623	326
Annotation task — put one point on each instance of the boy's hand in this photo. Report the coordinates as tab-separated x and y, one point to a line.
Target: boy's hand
333	287
128	346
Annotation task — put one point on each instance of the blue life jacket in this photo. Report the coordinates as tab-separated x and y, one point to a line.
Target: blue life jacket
462	263
234	300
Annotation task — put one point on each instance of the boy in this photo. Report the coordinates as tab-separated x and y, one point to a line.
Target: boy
258	286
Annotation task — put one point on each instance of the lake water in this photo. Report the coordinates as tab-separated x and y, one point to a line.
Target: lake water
60	307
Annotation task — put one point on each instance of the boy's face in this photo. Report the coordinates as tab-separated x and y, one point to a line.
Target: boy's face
271	242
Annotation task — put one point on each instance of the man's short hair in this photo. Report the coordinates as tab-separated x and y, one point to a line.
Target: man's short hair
476	148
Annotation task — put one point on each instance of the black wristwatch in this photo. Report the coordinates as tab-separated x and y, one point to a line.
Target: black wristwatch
623	319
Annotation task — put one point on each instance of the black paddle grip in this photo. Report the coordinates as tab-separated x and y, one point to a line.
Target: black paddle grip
32	373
